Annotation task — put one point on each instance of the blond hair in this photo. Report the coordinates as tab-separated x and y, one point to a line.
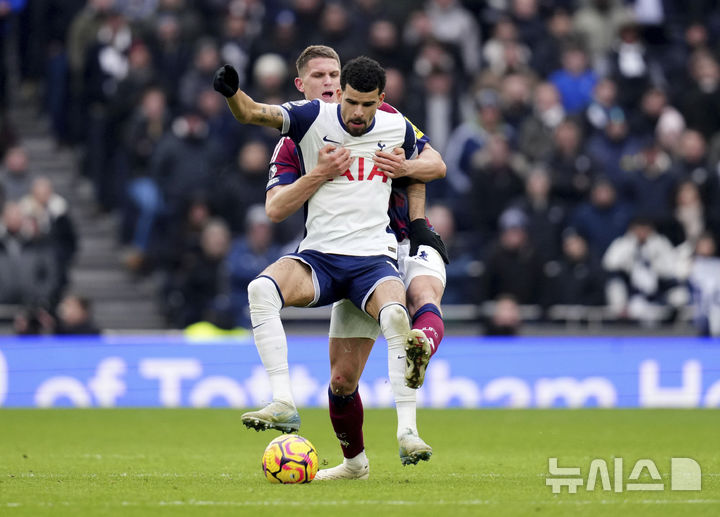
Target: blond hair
312	52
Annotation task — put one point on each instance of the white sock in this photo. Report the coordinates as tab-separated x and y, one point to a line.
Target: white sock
356	462
395	325
270	340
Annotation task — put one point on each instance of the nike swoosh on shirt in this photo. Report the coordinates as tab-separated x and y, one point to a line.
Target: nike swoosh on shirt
326	139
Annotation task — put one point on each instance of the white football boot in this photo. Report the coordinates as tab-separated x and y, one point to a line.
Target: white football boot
417	357
354	468
413	448
276	415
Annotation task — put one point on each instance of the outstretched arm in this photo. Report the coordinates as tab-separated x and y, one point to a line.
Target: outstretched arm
428	166
243	108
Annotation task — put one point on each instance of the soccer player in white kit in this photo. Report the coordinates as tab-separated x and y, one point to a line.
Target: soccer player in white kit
348	250
352	331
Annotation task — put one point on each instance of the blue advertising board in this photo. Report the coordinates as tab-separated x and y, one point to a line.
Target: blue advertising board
473	372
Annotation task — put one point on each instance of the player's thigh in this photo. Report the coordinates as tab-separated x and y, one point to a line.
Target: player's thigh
294	279
349	321
391	290
422	290
348	357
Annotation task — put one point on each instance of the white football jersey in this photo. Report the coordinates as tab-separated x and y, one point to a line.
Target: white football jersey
349	214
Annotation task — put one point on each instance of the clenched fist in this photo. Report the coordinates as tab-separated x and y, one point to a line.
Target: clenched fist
226	80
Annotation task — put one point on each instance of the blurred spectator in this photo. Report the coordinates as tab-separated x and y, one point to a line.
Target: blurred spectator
196	290
612	149
75	316
630	66
235	44
189	22
222	126
438	107
8	135
82	36
144	130
306	15
495	182
690	217
33	321
601	219
531	28
513	266
182	238
284	37
545	215
571	167
575	80
140	76
28	268
642	274
15	177
506	319
651	182
559	34
184	161
669	128
384	46
516	94
604	99
464	264
171	54
472	136
106	66
49	213
675	58
239	187
453	24
598	21
701	103
8	10
536	132
576	278
337	31
270	79
644	122
704	283
249	256
197	78
693	164
495	49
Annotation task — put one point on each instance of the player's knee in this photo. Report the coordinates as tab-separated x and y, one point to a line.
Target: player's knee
423	291
263	294
393	316
343	385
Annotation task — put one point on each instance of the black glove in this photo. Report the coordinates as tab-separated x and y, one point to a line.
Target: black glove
226	80
421	234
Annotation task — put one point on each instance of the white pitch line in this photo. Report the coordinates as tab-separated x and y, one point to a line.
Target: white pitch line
471	502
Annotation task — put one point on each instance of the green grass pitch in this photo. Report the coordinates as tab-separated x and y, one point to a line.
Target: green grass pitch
486	462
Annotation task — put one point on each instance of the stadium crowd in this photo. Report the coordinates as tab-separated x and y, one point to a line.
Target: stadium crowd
582	140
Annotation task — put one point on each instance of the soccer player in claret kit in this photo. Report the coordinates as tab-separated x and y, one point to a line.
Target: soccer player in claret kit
353	259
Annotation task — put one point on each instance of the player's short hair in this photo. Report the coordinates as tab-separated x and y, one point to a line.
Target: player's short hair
312	52
363	74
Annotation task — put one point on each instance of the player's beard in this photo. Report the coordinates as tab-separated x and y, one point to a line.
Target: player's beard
356	130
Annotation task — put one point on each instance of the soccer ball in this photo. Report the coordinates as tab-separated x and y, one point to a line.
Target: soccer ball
290	459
